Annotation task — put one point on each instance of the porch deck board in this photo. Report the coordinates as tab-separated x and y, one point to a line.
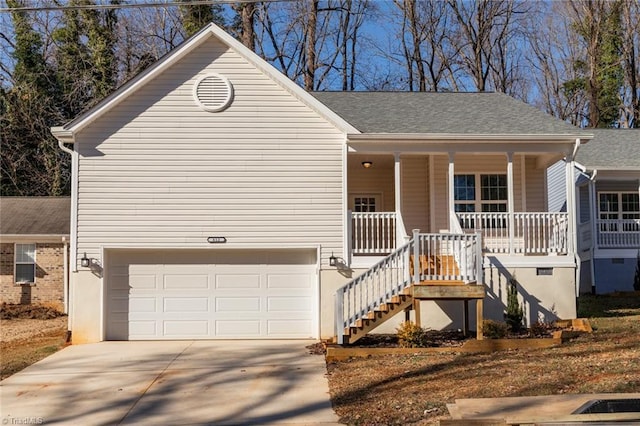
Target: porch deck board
448	291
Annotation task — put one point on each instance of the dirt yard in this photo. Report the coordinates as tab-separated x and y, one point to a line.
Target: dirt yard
414	389
29	333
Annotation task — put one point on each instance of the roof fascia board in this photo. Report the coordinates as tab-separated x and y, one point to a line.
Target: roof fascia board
36	238
171	58
468	137
631	172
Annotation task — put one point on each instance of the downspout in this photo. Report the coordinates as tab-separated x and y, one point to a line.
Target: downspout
594	228
573	220
65	278
74	201
73	233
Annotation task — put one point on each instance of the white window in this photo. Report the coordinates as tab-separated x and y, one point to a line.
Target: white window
485	193
480	193
619	211
25	263
365	203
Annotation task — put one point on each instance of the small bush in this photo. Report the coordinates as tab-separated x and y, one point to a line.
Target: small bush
514	314
411	335
540	329
494	329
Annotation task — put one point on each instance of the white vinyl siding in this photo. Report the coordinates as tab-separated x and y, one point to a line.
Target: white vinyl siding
415	194
556	187
535	186
158	171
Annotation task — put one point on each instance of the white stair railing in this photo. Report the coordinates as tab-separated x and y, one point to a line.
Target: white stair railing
393	274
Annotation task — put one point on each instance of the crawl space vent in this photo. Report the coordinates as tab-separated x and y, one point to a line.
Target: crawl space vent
213	92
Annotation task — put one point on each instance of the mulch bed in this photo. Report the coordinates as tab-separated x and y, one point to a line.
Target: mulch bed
11	311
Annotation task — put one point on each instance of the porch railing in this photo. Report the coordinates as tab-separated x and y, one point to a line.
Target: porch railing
373	233
533	233
394	273
618	233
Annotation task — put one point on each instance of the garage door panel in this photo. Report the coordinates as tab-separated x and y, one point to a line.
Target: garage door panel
140	329
288	281
186	328
186	282
186	304
232	281
240	297
238	328
142	304
288	304
285	329
141	282
237	304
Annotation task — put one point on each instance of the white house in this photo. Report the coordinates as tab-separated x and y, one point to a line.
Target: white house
214	198
608	204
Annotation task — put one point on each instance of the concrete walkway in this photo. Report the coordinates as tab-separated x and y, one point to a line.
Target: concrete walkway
177	383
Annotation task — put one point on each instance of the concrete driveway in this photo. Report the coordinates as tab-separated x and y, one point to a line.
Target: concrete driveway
177	382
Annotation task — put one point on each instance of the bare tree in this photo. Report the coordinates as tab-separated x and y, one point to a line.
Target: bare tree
555	49
426	44
486	41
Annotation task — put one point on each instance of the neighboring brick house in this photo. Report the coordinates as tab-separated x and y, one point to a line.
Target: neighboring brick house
34	235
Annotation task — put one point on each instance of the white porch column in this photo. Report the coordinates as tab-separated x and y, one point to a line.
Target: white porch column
510	201
397	178
397	187
452	199
571	202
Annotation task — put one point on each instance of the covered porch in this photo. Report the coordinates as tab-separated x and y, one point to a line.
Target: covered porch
609	211
474	190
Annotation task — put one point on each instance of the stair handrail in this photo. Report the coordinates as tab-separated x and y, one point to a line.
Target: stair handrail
355	294
391	275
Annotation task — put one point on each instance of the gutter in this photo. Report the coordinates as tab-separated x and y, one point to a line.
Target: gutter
467	137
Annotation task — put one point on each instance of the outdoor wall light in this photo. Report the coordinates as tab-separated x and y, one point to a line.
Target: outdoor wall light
333	260
367	164
85	262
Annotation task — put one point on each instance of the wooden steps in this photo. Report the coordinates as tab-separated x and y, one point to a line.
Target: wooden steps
436	265
431	289
374	318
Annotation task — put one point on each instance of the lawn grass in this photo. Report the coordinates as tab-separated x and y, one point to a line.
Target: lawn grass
405	389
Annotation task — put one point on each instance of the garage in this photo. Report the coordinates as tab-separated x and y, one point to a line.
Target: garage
211	294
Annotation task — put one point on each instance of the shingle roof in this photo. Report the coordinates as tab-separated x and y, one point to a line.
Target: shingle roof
35	215
442	112
617	149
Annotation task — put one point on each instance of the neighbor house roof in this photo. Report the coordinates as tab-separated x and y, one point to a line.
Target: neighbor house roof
611	149
35	215
443	112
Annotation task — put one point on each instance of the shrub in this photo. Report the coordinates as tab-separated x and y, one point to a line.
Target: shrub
540	328
411	335
514	313
494	329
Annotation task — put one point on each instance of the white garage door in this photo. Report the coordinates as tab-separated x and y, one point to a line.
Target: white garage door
210	294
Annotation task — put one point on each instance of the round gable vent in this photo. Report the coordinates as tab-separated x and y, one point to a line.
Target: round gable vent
213	92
